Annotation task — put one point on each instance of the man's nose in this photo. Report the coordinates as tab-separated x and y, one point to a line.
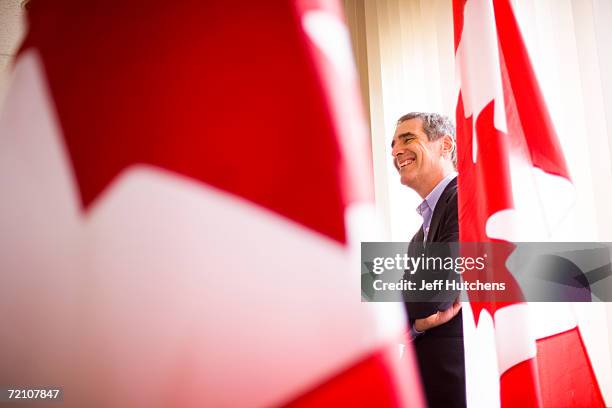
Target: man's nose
395	151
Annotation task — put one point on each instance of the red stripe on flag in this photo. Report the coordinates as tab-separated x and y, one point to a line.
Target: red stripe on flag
519	386
379	374
539	131
565	372
458	6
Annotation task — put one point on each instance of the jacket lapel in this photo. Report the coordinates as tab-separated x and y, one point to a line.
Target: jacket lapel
418	237
438	211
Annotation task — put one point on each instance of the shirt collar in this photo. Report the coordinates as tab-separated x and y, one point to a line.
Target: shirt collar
432	198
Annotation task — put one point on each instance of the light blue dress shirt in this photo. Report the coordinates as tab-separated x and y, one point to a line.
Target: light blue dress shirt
427	207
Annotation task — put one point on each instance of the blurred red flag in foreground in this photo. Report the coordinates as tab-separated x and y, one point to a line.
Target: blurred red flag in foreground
178	207
513	186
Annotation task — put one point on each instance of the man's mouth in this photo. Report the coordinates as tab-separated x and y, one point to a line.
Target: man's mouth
405	161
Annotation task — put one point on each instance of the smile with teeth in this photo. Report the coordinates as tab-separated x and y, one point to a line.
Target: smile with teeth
403	162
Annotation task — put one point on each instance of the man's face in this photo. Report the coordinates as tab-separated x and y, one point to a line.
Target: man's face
417	160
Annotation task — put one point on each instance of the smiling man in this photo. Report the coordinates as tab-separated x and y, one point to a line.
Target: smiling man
424	153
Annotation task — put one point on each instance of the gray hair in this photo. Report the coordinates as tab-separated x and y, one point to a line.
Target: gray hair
435	126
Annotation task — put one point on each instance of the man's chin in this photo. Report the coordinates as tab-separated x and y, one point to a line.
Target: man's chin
407	180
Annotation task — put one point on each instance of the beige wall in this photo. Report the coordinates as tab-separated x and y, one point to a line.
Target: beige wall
12	27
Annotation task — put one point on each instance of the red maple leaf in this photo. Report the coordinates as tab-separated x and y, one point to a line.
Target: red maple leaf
484	189
226	96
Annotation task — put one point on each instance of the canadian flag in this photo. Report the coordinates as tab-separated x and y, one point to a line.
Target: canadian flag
513	186
182	183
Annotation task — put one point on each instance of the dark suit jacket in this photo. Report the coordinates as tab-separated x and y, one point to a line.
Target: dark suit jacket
440	350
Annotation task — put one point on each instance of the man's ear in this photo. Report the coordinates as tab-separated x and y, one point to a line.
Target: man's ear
448	145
